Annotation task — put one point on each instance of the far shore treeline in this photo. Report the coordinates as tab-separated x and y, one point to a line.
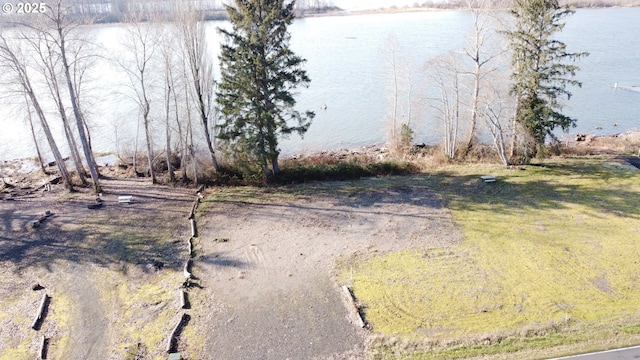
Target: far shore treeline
119	11
509	80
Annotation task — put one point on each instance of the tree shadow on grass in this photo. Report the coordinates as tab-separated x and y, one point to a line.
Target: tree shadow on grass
552	185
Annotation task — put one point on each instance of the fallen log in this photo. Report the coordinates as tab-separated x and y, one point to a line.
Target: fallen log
354	307
190	247
194	208
194	229
35	324
183	299
176	332
42	352
185	270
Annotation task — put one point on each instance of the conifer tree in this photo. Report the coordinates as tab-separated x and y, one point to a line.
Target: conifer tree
541	70
258	74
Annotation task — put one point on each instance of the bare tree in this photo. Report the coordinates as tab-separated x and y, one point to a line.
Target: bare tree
392	58
59	31
170	71
401	94
200	66
14	65
33	135
496	114
49	66
447	74
141	42
481	53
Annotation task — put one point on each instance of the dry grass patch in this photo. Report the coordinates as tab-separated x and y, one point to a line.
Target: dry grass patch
142	311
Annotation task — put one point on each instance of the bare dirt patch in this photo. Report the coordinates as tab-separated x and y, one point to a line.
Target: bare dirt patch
266	261
90	262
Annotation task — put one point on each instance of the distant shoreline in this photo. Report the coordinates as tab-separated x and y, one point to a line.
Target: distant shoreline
399	10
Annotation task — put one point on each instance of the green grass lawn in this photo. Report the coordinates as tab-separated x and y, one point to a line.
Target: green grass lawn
550	264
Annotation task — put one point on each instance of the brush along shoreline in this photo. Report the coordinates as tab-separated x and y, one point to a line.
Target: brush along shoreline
12	170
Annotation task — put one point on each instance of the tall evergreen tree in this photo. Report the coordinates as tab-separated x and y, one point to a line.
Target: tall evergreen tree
541	71
258	74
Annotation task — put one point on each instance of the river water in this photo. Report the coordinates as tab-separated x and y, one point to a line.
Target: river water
350	64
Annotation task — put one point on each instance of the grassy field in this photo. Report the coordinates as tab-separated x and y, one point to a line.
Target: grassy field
549	262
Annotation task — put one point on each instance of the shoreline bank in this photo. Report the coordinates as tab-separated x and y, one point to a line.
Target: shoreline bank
613	142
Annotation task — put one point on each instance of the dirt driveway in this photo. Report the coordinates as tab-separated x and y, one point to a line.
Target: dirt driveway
266	263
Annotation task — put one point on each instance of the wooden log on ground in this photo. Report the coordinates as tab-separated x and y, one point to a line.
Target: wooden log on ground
190	247
42	352
194	208
200	189
171	342
35	324
183	299
185	270
354	307
194	229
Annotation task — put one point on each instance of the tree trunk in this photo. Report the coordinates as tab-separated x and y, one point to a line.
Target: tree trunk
35	140
88	132
147	131
172	176
514	129
73	147
76	111
474	110
23	79
207	133
52	143
49	58
183	144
